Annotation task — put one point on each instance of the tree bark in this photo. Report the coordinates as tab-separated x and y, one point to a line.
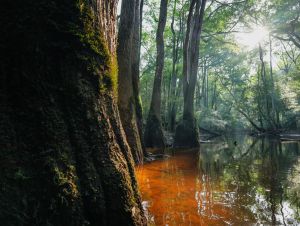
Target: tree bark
267	95
187	132
129	61
173	81
136	74
154	136
64	156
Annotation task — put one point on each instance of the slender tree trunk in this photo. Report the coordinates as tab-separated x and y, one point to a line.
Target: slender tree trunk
172	86
173	81
154	136
206	89
129	61
214	96
259	100
64	157
187	132
198	95
203	91
137	35
266	93
139	107
164	102
274	107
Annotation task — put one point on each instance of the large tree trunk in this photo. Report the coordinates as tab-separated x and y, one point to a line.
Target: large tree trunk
137	35
187	132
176	38
128	59
154	136
64	157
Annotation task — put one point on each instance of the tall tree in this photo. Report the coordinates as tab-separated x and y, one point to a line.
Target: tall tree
64	157
187	132
154	136
176	42
129	60
137	36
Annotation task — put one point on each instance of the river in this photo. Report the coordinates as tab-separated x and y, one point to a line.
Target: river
239	180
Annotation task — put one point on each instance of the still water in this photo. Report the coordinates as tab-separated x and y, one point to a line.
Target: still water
236	181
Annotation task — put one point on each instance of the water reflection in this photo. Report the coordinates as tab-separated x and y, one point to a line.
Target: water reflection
236	181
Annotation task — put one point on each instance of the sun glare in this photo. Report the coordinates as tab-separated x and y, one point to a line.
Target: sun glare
252	38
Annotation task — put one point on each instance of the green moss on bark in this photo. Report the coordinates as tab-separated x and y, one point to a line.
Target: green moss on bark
65	160
91	37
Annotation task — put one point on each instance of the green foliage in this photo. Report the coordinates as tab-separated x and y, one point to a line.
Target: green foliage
232	92
211	120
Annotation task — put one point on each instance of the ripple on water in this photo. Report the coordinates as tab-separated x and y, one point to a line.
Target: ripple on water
255	182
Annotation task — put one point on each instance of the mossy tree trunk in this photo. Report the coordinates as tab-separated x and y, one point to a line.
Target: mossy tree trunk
187	132
154	136
64	156
128	59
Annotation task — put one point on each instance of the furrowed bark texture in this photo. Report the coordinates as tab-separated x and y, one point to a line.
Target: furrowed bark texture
187	132
128	59
64	156
154	136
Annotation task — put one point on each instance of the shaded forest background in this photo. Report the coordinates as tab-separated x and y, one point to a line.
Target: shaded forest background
238	87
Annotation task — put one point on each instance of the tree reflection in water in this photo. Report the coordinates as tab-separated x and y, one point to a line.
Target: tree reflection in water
234	180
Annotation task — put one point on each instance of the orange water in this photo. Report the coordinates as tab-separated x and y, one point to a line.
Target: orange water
221	185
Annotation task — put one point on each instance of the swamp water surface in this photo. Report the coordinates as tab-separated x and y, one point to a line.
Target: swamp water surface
247	182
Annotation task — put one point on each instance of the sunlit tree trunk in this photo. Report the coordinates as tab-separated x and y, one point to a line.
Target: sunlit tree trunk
187	132
64	156
275	109
154	136
266	92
